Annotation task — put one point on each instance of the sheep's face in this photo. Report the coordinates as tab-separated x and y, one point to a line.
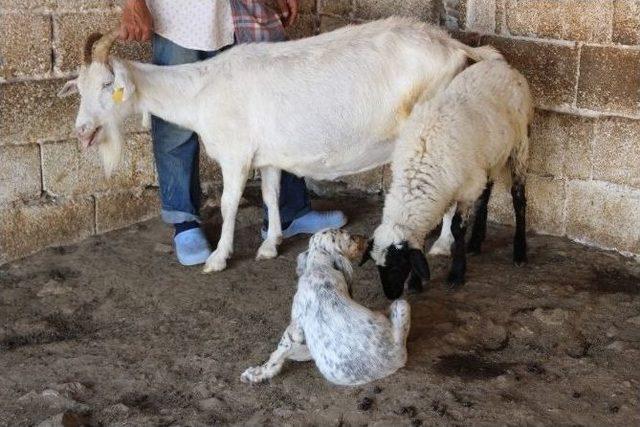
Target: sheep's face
395	260
104	90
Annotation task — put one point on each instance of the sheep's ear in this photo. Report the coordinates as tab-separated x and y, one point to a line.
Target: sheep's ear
366	256
419	263
123	87
69	88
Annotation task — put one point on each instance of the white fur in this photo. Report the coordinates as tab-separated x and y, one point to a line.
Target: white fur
321	107
349	343
450	147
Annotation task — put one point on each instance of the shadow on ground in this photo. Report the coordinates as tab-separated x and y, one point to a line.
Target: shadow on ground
114	331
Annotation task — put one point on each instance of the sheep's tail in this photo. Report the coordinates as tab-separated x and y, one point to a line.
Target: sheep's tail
482	53
519	158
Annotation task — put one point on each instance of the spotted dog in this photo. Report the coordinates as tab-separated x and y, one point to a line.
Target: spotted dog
350	344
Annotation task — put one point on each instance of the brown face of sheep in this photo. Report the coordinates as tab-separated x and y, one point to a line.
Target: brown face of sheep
103	86
400	261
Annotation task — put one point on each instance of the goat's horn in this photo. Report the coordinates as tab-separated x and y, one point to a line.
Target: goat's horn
87	51
103	46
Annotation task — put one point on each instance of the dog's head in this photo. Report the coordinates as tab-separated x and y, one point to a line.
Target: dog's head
341	247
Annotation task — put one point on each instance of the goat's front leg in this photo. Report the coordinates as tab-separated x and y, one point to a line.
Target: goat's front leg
234	179
270	195
291	346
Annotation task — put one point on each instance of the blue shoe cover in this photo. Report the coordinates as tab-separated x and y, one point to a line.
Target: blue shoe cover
192	247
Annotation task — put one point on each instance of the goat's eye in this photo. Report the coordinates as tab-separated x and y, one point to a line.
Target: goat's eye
107	85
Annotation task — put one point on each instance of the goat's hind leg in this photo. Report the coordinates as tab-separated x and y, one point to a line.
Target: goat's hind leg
291	346
479	230
442	246
270	195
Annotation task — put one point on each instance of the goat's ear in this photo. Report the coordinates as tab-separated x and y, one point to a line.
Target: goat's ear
69	88
122	82
419	263
366	256
302	262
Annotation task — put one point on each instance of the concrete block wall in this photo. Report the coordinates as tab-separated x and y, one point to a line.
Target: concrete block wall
52	192
581	57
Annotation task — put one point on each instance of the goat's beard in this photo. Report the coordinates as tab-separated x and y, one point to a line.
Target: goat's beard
110	148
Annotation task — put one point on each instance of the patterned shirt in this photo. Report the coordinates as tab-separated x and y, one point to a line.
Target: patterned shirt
212	24
193	24
257	21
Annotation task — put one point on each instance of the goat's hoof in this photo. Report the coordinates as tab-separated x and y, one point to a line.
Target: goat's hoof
267	251
521	263
440	249
214	264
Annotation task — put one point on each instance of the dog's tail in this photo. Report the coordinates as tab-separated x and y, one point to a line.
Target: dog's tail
400	317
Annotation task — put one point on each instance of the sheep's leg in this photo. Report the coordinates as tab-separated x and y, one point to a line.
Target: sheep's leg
442	246
291	346
400	317
458	250
520	208
414	283
479	230
234	178
270	194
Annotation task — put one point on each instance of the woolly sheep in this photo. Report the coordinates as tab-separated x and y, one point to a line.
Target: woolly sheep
451	150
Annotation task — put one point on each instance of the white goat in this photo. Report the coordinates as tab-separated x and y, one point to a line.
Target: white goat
450	151
321	107
349	343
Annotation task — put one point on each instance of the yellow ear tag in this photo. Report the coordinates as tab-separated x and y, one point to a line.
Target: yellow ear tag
117	95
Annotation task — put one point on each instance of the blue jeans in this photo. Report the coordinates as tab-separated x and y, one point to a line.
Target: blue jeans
176	151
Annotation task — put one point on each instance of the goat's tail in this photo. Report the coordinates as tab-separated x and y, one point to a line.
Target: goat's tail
482	53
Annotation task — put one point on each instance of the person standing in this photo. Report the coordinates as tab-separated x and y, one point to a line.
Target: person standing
195	30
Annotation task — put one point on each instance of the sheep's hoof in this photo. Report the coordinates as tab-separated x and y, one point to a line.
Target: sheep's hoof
267	251
474	248
455	281
214	263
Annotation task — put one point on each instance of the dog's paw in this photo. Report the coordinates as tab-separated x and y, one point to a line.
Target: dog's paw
253	375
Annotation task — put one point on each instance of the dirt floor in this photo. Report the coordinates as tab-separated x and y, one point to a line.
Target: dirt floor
113	331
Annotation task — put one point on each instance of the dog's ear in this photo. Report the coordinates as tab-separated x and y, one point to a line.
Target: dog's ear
302	263
366	256
419	263
342	263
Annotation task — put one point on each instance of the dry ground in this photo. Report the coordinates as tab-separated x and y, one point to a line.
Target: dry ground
113	331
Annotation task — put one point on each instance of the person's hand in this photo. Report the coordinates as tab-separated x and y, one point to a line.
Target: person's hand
137	22
289	9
